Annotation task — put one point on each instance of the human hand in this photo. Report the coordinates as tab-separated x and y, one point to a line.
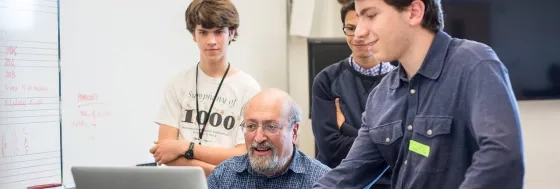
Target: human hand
165	151
339	116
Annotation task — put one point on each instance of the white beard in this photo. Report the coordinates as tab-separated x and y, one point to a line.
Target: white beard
267	164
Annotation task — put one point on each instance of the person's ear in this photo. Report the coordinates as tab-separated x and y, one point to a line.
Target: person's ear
232	34
295	132
416	12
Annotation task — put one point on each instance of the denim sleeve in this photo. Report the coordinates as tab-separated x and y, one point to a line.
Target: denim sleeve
362	165
494	118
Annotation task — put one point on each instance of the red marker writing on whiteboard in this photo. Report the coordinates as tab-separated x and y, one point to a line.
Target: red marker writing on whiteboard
44	186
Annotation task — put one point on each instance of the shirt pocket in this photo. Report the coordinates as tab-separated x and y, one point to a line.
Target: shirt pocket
430	146
387	138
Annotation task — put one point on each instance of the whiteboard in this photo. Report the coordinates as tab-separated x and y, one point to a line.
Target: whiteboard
29	111
117	55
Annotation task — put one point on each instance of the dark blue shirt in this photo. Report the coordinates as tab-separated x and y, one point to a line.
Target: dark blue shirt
236	172
454	124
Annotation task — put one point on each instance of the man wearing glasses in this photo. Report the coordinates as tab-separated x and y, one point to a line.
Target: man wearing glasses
271	125
339	96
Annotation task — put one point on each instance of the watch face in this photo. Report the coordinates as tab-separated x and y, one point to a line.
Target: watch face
188	154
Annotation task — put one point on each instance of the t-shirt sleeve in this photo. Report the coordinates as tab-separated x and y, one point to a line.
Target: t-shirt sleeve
170	109
251	90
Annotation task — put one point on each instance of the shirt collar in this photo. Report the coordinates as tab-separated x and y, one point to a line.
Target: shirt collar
297	165
379	69
433	63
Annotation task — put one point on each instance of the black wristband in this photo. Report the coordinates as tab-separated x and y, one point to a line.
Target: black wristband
189	154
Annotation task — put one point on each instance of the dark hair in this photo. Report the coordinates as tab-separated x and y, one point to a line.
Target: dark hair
212	14
433	14
343	2
345	9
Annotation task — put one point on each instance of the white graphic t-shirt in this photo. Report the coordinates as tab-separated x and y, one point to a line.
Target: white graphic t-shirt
222	130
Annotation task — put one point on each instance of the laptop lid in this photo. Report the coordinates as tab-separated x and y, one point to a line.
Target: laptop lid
139	177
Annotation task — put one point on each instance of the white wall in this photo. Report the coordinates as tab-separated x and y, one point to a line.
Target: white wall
540	119
540	122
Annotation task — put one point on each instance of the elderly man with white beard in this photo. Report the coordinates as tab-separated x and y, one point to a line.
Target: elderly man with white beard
271	124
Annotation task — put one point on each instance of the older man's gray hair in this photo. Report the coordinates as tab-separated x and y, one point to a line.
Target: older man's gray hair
293	113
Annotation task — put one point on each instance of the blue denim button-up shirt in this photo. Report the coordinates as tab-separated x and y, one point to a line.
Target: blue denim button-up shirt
455	124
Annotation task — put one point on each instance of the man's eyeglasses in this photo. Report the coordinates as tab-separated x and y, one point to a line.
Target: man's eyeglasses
349	30
268	128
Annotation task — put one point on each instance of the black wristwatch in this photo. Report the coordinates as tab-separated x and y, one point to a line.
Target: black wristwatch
189	154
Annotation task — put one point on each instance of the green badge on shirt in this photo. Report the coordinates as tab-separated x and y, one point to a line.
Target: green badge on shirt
419	148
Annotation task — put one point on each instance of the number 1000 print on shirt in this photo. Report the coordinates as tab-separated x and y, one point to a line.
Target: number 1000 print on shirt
216	119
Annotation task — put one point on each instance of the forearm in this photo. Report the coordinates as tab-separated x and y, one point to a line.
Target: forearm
348	130
363	164
337	146
329	138
215	155
331	141
181	161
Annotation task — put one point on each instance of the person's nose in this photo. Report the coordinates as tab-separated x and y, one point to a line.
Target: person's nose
360	32
211	40
260	136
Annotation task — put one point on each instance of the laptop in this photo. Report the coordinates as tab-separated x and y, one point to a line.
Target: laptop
144	177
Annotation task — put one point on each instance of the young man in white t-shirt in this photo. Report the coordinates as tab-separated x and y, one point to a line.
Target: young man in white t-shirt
213	24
